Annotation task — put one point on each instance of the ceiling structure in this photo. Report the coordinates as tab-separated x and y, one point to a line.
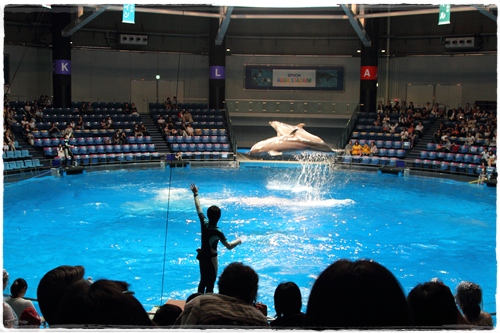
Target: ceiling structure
338	29
356	14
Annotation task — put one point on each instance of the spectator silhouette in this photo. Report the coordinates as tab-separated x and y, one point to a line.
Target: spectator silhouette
166	315
52	288
432	305
232	307
24	308
103	303
10	319
288	305
357	294
469	298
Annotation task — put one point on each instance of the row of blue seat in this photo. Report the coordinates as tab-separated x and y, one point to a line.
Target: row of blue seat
470	168
464	149
375	136
201	147
54	117
103	158
22	164
45	126
387	144
52	142
368	123
197	139
159	105
16	154
372	160
200	125
75	104
456	157
85	133
100	149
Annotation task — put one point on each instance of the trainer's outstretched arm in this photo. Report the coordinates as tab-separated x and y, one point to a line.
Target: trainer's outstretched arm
231	245
194	188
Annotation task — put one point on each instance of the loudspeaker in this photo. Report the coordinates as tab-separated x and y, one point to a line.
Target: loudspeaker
462	44
126	39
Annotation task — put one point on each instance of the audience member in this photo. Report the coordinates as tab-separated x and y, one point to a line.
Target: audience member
288	305
357	294
193	296
232	306
187	117
28	135
10	319
109	123
432	305
189	129
80	124
103	303
9	140
168	104
53	287
373	149
365	150
137	130
469	297
144	130
126	108
166	315
161	122
68	131
24	309
133	110
348	148
356	149
54	131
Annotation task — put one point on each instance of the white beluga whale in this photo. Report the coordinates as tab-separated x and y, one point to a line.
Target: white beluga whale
289	138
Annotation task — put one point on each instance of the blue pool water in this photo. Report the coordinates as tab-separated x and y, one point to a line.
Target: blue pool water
140	226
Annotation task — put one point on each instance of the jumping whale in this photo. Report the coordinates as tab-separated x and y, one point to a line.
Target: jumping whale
289	138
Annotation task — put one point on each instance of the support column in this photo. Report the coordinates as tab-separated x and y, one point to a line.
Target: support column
217	63
61	58
369	69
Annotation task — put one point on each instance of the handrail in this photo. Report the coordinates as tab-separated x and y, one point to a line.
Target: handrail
232	137
347	130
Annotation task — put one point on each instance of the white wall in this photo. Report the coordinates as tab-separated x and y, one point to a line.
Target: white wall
103	75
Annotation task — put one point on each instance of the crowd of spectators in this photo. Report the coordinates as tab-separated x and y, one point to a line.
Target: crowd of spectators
180	127
471	126
33	113
359	294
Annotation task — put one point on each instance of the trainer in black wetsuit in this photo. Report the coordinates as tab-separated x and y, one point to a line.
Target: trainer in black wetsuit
210	236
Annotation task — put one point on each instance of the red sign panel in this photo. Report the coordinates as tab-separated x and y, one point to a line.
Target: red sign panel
369	72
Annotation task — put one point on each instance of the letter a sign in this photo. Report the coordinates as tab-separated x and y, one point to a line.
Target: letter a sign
369	72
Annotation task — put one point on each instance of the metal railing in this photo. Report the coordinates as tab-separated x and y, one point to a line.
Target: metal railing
291	106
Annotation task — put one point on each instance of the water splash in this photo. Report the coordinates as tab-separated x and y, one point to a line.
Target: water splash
316	174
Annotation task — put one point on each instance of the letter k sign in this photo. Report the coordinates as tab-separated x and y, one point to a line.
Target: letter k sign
62	67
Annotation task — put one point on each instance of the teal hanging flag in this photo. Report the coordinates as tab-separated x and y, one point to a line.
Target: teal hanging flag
444	14
128	14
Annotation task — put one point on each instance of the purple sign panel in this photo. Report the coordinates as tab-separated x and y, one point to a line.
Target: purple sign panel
62	67
217	72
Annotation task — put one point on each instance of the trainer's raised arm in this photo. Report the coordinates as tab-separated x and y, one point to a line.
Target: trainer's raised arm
194	188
